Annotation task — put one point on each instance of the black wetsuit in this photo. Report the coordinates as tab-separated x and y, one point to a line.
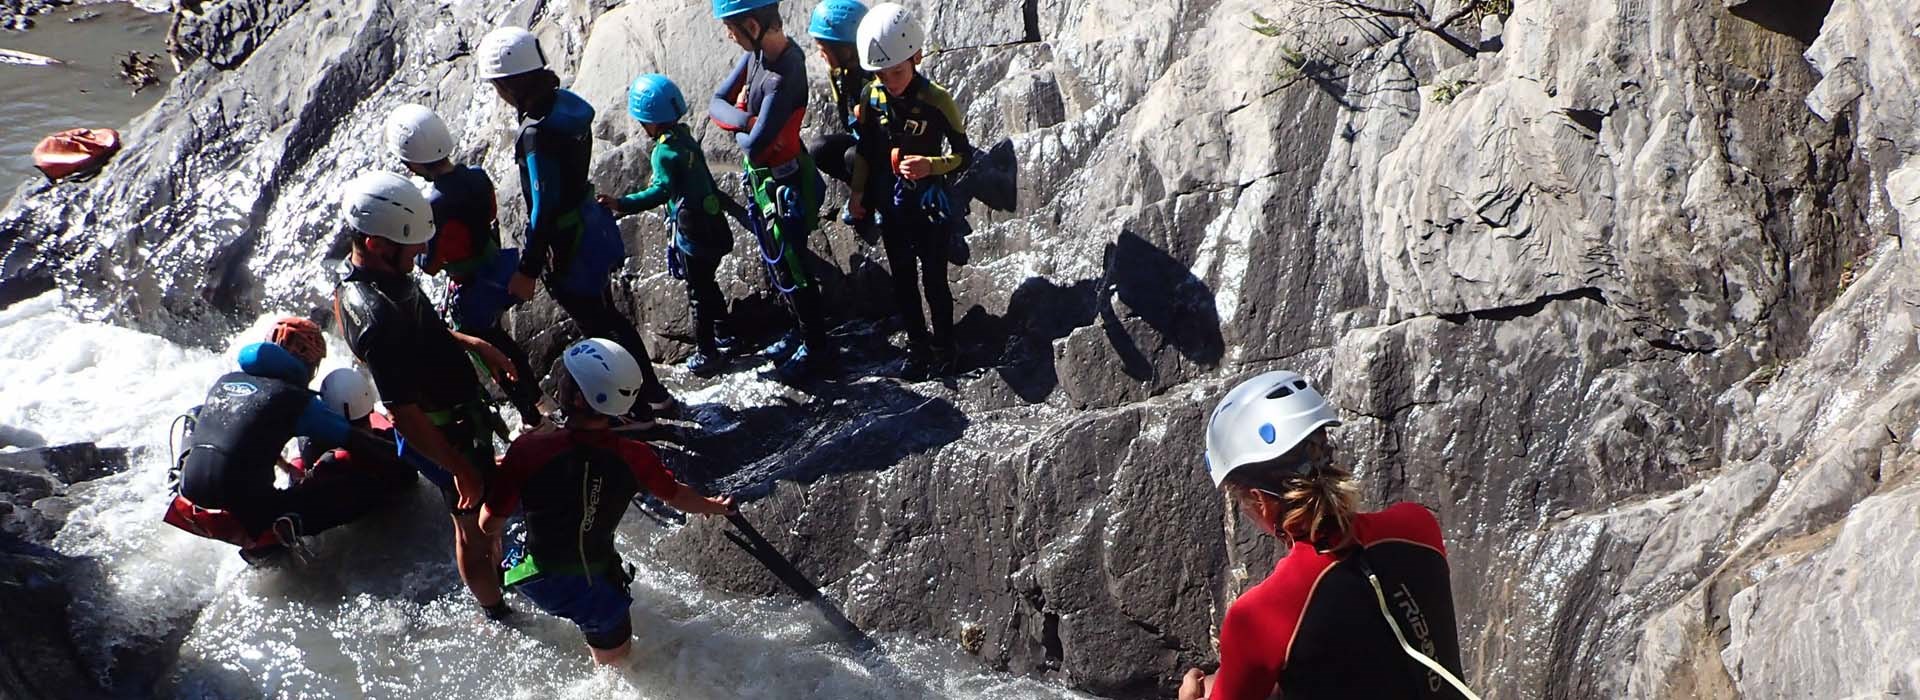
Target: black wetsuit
237	437
835	153
916	217
554	149
467	245
393	328
701	237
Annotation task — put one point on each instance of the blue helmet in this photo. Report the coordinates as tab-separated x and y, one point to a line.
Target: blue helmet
725	9
653	99
837	20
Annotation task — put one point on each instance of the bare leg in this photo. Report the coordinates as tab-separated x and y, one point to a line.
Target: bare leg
474	555
609	657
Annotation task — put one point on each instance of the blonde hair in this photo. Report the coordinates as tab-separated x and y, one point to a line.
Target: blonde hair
1316	507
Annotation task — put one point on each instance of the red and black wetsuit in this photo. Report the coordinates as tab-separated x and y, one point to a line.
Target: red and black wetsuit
574	486
1314	628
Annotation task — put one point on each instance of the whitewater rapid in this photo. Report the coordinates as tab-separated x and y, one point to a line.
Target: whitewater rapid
380	612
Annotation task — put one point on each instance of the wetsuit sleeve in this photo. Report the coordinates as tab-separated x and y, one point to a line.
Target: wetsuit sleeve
649	471
534	166
722	109
1244	672
781	104
959	148
323	425
866	137
666	162
503	488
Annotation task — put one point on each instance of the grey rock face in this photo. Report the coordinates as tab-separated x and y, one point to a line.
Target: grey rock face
1629	302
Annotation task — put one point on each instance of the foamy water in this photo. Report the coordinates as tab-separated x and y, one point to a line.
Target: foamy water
380	611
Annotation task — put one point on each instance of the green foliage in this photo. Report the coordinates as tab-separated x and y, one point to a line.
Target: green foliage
1445	91
1291	55
1265	26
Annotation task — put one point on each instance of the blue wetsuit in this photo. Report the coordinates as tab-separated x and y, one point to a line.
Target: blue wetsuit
570	236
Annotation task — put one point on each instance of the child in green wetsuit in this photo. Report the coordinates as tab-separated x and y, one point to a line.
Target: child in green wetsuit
701	236
911	140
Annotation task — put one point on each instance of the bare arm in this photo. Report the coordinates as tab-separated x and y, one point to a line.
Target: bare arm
690	501
425	437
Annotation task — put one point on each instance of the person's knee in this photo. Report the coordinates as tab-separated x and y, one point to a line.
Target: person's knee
466	531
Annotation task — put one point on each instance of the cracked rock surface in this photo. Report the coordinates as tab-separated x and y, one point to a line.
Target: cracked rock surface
1632	304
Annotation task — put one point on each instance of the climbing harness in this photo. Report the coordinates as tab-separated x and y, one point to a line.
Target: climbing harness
776	256
675	267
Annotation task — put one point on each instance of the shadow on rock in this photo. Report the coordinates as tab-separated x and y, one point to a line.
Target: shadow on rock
1161	291
1141	283
868	425
993	179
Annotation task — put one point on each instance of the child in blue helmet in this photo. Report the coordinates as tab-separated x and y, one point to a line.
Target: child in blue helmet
701	237
762	102
835	26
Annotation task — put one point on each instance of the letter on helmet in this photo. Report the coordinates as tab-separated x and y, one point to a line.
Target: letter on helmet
387	206
888	36
837	20
416	135
347	390
509	51
654	99
1262	419
608	376
301	338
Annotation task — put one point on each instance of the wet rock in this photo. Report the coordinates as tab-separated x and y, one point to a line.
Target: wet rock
69	464
18	15
225	32
37	658
26	485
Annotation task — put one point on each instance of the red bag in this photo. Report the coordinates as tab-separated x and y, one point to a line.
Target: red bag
75	151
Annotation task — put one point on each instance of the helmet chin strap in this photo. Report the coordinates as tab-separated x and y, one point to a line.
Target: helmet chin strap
758	37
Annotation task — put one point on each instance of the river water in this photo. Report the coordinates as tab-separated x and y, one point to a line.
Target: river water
380	612
85	89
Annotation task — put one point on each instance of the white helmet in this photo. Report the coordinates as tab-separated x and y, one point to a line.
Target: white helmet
888	36
509	51
606	373
347	390
1263	418
388	206
416	135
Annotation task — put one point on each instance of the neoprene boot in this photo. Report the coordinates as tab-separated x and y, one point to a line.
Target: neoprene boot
920	360
785	347
706	363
